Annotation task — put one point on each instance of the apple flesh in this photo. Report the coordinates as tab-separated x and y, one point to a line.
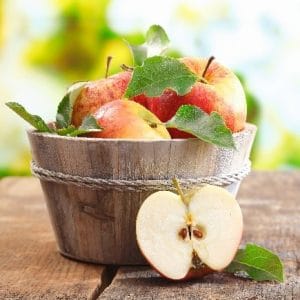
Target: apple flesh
96	93
183	240
221	92
127	119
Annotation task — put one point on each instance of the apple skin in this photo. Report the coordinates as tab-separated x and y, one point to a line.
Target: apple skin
198	273
223	94
127	119
192	273
98	92
164	107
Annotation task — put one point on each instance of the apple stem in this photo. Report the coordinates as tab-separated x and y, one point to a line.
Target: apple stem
108	61
206	68
179	190
126	68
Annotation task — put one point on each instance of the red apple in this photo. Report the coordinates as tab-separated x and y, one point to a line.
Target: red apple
96	93
127	119
164	107
221	92
191	238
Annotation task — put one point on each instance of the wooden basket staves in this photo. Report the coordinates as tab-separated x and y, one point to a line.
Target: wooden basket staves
94	187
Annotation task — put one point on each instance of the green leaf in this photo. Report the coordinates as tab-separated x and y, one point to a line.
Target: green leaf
209	128
89	124
156	43
157	40
159	73
36	121
139	53
258	263
66	131
63	115
65	107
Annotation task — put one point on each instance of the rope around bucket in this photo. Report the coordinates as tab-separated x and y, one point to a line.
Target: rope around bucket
139	185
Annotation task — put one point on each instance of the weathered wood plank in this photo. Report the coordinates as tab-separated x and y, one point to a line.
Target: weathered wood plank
271	206
31	267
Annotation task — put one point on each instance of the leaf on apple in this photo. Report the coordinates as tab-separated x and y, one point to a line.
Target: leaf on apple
36	121
156	43
258	263
209	128
89	124
159	73
66	131
65	107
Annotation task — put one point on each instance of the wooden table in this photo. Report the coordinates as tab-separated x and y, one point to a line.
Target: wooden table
31	268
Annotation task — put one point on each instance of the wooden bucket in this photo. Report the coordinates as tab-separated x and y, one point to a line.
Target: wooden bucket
99	225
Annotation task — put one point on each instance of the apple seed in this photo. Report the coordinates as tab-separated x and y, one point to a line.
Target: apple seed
183	233
197	233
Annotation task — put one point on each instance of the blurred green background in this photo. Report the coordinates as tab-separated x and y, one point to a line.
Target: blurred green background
46	45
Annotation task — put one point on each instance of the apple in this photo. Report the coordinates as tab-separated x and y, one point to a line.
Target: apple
192	235
127	119
96	93
220	91
164	107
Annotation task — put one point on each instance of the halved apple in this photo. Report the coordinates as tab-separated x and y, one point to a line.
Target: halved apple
192	235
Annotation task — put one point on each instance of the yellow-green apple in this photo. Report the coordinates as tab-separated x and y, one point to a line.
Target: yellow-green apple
127	119
220	91
192	235
96	93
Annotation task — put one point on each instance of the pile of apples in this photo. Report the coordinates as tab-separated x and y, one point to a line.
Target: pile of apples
220	91
181	236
